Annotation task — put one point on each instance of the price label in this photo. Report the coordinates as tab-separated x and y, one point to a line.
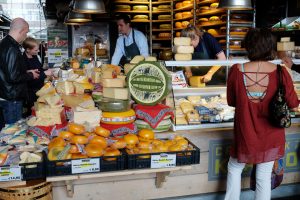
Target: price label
85	166
11	173
163	160
57	54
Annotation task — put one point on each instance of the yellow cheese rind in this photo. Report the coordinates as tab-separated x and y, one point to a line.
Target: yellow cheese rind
184	49
196	81
183	57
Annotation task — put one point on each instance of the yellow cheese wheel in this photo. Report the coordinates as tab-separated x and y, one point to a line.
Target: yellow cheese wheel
164	35
178	5
178	15
141	17
165	26
214	5
187	3
118	117
178	24
178	34
185	24
164	17
186	14
214	18
213	32
140	8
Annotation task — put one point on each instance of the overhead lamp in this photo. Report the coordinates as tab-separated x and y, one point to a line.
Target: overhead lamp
67	22
89	6
78	17
235	4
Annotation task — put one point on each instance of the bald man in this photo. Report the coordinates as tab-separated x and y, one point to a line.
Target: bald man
13	73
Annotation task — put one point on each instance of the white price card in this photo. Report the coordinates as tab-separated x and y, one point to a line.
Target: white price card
85	166
10	173
163	160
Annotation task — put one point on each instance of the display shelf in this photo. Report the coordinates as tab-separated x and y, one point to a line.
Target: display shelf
161	48
205	2
184	8
241	24
161	30
140	20
161	2
212	24
206	91
161	12
133	12
179	29
202	126
160	39
161	21
131	2
185	18
213	12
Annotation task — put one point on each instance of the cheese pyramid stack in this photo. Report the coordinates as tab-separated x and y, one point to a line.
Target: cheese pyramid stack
183	49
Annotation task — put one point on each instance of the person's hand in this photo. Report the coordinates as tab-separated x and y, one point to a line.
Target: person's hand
188	74
206	78
287	61
35	73
49	72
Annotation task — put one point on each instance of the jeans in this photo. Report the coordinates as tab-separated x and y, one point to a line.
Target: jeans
263	180
11	111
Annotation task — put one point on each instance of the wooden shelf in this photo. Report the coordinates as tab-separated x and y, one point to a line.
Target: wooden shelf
178	29
161	11
205	2
161	2
161	30
137	12
159	21
212	24
185	18
131	2
219	36
184	8
140	20
160	39
160	48
212	12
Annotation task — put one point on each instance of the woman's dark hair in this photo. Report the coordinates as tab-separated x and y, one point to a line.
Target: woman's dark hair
125	18
260	44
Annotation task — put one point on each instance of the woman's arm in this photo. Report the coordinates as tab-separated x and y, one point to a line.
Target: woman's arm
208	76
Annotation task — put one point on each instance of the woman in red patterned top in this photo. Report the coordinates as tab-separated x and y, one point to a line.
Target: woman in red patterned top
250	88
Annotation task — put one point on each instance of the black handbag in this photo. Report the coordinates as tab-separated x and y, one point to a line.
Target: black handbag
279	113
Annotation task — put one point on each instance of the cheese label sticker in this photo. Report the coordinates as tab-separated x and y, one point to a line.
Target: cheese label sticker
10	173
163	160
85	165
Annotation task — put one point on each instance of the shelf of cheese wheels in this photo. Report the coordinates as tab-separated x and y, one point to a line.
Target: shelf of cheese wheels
139	10
183	15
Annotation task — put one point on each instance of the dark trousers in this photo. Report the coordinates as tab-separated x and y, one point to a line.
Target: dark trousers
11	112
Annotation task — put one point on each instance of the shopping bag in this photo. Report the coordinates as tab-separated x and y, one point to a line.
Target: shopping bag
276	177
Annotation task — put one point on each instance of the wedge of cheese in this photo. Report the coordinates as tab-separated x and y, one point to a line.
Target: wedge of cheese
65	87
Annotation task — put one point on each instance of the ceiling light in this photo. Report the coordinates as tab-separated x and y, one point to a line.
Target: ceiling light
89	6
67	22
235	4
78	17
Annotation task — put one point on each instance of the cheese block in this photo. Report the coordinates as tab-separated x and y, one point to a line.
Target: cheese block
128	67
126	117
165	26
193	117
164	7
140	17
140	8
81	88
109	73
116	93
51	115
186	107
113	82
122	7
196	81
195	100
75	100
285	39
164	17
183	49
182	41
151	58
183	56
46	89
113	105
149	82
53	100
163	126
181	121
137	59
65	87
285	46
91	117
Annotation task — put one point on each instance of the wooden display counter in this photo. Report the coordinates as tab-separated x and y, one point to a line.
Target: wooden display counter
207	177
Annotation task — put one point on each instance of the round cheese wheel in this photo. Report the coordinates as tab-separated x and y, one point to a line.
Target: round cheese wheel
187	3
164	7
140	8
178	15
122	7
178	5
204	8
164	17
177	34
214	18
178	24
238	31
165	26
140	17
118	117
113	105
214	5
203	20
185	24
164	35
187	14
213	32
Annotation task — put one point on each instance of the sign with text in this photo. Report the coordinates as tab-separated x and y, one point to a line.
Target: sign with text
219	156
85	166
10	173
163	160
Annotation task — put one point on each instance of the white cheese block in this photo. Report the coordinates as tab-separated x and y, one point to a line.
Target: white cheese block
183	56
285	46
116	93
137	59
113	82
65	87
90	117
128	67
151	58
182	41
285	39
183	49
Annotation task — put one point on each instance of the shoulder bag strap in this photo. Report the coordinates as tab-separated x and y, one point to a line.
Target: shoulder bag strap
280	86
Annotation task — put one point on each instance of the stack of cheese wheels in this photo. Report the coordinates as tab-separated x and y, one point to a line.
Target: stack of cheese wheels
182	48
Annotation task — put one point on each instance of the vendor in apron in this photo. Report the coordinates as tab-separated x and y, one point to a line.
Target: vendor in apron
130	43
206	47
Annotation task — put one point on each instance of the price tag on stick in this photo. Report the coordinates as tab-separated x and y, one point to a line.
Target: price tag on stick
85	166
163	160
11	173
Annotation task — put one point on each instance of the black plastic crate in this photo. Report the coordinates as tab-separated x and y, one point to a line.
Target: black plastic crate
188	157
64	167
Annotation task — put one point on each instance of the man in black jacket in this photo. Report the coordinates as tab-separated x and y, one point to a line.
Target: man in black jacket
13	74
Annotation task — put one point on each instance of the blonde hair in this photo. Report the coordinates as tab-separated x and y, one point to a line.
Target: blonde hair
30	43
191	32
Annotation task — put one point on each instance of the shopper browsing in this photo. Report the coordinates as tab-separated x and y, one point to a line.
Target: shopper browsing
13	73
130	43
289	63
206	47
32	62
250	88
